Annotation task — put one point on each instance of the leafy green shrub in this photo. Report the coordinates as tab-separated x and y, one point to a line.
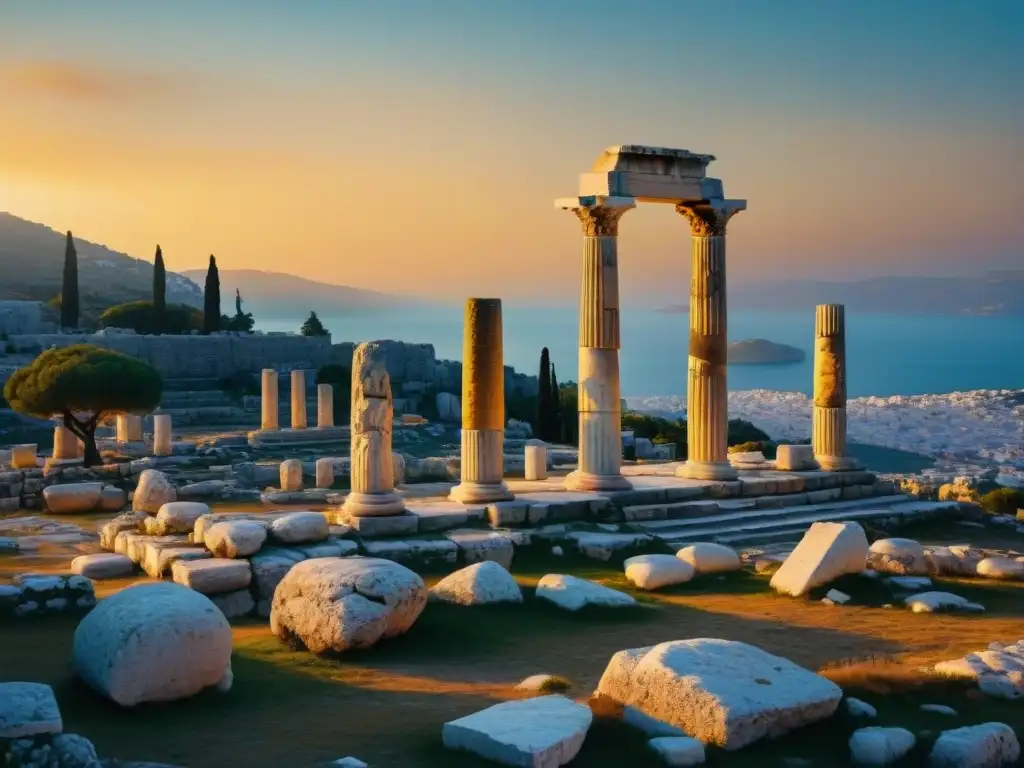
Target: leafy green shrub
1004	501
140	317
768	448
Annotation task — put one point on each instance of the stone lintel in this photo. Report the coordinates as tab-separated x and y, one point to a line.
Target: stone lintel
594	201
650	187
645	159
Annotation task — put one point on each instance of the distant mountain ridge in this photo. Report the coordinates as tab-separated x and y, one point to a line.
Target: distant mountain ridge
283	295
994	293
32	262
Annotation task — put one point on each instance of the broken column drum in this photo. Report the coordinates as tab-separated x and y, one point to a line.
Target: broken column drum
828	434
483	405
372	474
299	400
65	444
162	436
324	405
268	400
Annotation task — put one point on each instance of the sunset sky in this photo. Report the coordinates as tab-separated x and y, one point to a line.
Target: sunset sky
417	146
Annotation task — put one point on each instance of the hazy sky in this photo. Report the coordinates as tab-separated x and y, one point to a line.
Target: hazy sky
417	146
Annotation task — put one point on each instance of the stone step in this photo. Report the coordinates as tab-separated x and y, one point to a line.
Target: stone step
735	511
754	530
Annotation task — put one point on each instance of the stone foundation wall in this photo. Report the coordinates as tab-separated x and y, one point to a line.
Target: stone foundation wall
36	594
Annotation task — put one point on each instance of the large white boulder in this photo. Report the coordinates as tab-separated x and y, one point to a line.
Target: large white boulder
934	602
880	746
1001	568
153	642
656	571
153	491
572	593
28	709
179	516
300	528
102	565
708	557
722	692
72	498
478	584
826	552
334	604
544	732
902	557
999	669
989	745
237	538
212	576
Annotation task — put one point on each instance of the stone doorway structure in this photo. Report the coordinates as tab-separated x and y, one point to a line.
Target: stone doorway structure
619	179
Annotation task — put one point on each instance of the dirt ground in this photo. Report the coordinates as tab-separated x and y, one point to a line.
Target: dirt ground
386	705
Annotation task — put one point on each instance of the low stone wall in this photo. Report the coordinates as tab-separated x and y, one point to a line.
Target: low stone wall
34	594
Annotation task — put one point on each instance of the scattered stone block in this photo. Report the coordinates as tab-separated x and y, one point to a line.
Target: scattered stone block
390	525
291	475
212	576
656	571
933	602
604	546
504	513
678	751
988	745
858	708
957	560
478	584
129	521
179	516
152	492
24	456
337	604
28	709
912	583
880	746
101	566
324	472
268	569
1001	568
157	559
234	604
572	593
795	458
422	553
153	642
902	557
478	546
835	597
547	731
999	670
826	552
722	692
707	557
72	498
234	539
300	528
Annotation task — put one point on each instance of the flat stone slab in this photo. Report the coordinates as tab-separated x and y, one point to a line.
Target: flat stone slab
391	525
28	709
934	602
572	593
279	438
212	576
603	546
441	514
478	546
418	551
543	732
102	565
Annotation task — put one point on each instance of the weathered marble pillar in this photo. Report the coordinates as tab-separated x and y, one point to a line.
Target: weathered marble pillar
535	462
65	443
162	436
324	405
828	434
372	474
129	428
324	472
291	475
268	400
299	400
483	405
600	411
707	393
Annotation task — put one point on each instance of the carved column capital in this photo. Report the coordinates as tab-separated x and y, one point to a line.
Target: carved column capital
599	220
708	219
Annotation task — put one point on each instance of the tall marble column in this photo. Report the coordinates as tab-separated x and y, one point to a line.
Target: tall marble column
268	400
599	402
372	473
129	428
324	405
707	393
65	443
828	434
299	400
483	405
162	436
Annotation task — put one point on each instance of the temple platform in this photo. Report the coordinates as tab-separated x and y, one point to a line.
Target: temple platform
284	438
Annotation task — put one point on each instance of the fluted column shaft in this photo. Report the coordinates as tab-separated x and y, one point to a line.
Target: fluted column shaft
707	392
299	420
483	405
599	394
828	433
268	400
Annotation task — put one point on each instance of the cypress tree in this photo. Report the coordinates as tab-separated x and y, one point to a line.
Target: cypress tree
159	291
556	407
69	290
211	299
544	396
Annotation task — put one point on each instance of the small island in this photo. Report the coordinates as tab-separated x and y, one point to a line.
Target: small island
763	352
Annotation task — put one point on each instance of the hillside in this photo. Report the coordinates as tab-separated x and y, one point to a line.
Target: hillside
32	263
279	294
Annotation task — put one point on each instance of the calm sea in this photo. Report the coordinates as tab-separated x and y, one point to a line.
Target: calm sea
887	354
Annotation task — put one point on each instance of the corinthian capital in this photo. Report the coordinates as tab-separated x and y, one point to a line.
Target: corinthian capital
709	219
598	214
